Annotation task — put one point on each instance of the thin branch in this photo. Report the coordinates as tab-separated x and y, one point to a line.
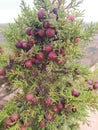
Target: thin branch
69	5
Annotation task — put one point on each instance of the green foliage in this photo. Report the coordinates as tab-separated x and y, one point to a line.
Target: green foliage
32	70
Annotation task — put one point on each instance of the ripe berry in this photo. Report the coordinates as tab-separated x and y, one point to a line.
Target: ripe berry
60	62
43	124
48	48
28	30
52	56
77	39
69	83
14	117
71	18
95	86
23	128
48	117
2	72
55	109
55	11
24	45
34	100
90	81
33	59
60	106
90	87
27	123
48	101
41	32
32	32
8	122
46	24
41	14
28	63
32	40
18	45
75	93
50	32
62	50
40	56
29	97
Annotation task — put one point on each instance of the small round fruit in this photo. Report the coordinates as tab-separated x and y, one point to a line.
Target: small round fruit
23	128
48	48
41	32
2	72
31	41
43	124
46	24
34	100
41	14
24	45
90	81
14	117
40	56
55	109
75	93
71	18
52	56
18	45
28	63
28	123
60	62
60	106
90	87
77	39
55	11
48	117
29	97
8	122
48	101
28	30
50	32
95	86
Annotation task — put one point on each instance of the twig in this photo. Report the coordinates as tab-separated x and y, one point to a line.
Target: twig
69	5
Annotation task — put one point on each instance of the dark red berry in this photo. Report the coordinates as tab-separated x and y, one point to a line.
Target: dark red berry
2	72
60	106
50	32
41	32
23	128
41	14
48	48
75	93
55	109
28	31
43	124
46	24
48	117
18	45
40	56
52	56
8	122
34	100
77	39
95	86
29	97
90	81
28	63
14	117
90	87
48	101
